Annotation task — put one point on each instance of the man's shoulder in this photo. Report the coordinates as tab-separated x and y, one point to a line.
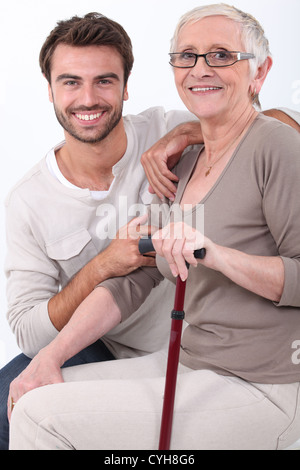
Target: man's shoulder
27	182
158	115
146	115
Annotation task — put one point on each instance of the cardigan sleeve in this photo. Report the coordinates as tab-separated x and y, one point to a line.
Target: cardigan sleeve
281	204
130	292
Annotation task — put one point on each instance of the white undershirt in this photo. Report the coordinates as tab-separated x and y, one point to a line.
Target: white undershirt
55	171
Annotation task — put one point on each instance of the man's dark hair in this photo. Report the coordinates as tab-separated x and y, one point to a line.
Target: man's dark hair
93	29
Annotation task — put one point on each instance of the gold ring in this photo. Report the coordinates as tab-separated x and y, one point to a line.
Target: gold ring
12	404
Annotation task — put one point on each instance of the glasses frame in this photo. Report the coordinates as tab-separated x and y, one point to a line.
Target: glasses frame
241	56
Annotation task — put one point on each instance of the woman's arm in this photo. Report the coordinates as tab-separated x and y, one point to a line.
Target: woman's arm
262	275
95	316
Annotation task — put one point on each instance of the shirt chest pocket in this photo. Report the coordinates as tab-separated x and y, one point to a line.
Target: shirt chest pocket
72	252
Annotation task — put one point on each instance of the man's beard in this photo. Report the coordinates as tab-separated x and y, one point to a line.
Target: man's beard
111	123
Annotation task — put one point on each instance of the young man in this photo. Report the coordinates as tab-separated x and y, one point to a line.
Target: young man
63	216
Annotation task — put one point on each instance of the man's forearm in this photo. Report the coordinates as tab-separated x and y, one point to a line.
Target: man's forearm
62	306
283	117
189	130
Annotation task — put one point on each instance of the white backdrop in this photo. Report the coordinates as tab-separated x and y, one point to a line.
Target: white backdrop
27	123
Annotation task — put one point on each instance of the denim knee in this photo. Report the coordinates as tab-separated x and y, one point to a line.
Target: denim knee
7	375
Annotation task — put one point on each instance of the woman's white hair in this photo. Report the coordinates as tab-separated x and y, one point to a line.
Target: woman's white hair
252	33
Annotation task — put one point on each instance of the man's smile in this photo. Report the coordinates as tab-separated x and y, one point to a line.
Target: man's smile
89	117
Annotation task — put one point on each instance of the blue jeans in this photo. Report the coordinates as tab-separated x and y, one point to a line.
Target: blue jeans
97	352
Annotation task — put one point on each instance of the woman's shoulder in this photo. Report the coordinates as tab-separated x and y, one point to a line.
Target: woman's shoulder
274	146
271	131
187	161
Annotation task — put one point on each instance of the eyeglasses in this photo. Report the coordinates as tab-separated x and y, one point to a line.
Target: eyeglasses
188	60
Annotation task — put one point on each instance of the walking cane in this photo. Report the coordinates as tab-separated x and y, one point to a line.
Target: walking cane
146	246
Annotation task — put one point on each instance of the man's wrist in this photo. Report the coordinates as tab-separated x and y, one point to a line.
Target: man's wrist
99	269
191	131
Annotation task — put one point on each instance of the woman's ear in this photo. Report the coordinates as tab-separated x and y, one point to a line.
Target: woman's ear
260	76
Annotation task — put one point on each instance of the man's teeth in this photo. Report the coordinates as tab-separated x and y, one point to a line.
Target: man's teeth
88	117
206	89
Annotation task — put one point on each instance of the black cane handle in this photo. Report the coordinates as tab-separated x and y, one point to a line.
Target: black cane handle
146	245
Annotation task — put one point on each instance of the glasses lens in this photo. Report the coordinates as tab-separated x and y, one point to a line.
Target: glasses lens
184	59
221	58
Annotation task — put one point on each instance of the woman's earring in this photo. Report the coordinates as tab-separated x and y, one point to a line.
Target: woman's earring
253	94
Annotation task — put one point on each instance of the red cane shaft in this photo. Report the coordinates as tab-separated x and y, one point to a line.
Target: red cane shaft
172	367
179	295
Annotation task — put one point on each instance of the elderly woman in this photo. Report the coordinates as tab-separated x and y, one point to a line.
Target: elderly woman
239	373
